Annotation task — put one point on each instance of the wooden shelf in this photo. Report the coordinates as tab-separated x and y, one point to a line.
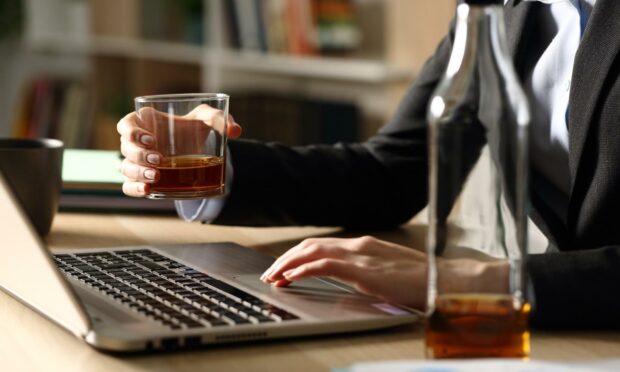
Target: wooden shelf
316	67
118	46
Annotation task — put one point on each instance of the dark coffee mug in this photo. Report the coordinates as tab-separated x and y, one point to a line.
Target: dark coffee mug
33	170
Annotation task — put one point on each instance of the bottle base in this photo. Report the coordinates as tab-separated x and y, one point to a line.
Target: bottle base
478	327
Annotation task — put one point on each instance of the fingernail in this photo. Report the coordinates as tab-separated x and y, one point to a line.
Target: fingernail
267	273
142	188
153	158
271	274
149	174
146	139
281	283
290	273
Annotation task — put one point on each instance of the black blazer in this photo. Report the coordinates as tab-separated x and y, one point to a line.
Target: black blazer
383	182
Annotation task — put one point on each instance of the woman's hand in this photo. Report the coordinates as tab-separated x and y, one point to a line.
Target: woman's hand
139	144
386	270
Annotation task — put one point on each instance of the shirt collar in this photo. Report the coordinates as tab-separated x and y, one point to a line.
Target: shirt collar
546	1
591	2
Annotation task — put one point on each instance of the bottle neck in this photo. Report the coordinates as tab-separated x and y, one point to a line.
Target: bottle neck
480	30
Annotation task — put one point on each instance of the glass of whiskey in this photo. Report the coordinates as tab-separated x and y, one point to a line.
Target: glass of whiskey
189	132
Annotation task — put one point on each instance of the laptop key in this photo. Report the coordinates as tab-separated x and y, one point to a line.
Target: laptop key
216	322
83	267
239	320
261	318
283	315
237	294
150	265
141	251
190	323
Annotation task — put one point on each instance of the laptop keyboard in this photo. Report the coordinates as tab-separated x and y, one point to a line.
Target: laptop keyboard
167	291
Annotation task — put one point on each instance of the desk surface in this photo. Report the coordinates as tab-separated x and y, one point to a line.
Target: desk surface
28	342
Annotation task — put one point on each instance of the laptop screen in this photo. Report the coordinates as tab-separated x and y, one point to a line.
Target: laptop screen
28	273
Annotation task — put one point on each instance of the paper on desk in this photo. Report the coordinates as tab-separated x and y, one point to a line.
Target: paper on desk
484	365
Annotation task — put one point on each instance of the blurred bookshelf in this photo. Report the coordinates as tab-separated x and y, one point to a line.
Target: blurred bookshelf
292	60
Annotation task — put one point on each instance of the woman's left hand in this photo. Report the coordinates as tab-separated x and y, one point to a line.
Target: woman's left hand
386	270
390	271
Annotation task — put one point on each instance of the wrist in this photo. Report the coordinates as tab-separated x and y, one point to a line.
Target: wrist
496	277
472	276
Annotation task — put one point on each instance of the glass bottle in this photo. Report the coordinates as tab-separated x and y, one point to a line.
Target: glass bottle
477	241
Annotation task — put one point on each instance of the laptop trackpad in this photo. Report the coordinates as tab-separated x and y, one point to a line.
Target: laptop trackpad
313	285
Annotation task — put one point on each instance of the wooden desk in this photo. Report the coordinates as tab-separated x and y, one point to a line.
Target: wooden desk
28	342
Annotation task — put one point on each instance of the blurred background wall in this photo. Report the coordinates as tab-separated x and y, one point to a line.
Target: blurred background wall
298	71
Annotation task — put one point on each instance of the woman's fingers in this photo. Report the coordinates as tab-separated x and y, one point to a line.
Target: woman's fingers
139	173
135	189
139	178
215	119
362	248
307	244
378	277
130	131
137	145
137	128
139	155
307	255
345	271
234	129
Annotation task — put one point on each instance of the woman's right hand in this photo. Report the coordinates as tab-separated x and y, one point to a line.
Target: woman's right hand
139	145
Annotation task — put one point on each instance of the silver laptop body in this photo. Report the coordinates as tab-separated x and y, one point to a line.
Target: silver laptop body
84	306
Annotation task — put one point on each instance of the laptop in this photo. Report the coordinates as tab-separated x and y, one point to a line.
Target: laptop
143	298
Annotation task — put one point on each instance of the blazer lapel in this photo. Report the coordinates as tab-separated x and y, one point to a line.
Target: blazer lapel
515	22
598	50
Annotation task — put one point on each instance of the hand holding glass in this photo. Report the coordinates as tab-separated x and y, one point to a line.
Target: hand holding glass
186	134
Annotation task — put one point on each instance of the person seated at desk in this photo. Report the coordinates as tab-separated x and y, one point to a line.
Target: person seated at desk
568	57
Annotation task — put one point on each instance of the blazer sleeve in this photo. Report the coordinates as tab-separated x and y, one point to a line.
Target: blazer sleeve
376	184
382	183
575	289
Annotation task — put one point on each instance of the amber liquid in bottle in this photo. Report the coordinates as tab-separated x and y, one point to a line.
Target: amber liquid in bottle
190	173
474	326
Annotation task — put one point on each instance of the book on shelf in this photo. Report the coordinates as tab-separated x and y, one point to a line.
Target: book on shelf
300	25
274	13
115	18
162	20
248	23
55	108
336	27
297	27
92	182
173	20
